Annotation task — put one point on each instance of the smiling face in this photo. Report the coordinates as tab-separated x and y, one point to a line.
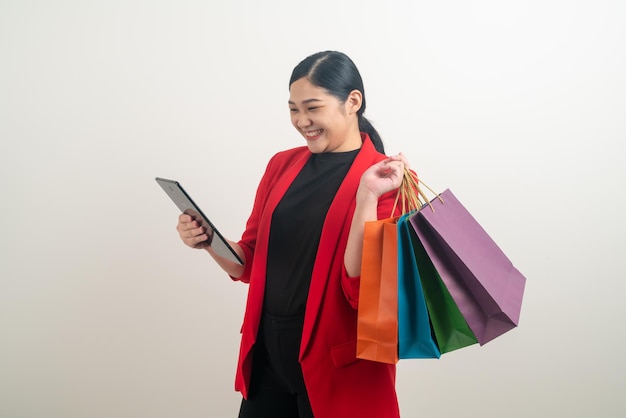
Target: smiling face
326	123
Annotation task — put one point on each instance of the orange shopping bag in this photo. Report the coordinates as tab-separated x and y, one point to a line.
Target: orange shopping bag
377	326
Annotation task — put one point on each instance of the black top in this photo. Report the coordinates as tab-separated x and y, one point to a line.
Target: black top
296	228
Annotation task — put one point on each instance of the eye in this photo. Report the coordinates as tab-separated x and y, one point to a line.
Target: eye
313	108
292	110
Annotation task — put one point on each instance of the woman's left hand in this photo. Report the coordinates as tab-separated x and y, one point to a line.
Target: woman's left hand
384	176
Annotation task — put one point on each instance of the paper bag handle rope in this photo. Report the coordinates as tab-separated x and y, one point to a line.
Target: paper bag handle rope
411	195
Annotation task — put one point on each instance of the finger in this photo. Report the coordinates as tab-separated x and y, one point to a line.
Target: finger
184	223
184	218
395	166
404	160
194	232
390	169
400	157
186	226
186	233
193	242
191	226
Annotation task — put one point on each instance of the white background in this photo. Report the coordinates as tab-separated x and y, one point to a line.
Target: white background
517	106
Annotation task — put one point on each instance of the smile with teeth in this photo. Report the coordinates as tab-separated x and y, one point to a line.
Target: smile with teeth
313	134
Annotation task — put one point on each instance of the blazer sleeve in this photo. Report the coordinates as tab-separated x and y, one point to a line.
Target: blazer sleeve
249	237
351	285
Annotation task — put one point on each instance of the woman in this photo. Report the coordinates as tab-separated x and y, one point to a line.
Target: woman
302	250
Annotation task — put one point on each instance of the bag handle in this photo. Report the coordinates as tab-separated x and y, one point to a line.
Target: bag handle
412	195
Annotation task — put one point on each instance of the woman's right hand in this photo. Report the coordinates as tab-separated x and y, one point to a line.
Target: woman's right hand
194	235
191	232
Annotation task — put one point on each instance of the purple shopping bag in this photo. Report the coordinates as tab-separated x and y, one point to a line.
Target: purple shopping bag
483	282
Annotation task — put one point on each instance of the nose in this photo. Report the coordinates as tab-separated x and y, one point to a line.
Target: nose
302	121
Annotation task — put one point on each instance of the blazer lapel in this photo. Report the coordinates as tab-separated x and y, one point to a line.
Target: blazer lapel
330	250
257	285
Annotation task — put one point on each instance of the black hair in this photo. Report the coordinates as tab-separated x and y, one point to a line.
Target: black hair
336	73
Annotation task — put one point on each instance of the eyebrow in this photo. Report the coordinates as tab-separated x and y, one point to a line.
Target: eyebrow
307	101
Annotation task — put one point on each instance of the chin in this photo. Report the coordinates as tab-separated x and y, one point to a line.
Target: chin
316	146
315	150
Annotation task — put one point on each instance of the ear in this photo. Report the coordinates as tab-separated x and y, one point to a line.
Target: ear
354	101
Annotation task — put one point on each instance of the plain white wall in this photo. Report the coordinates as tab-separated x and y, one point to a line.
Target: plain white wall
517	106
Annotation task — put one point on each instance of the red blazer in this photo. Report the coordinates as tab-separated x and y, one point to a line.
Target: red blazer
338	384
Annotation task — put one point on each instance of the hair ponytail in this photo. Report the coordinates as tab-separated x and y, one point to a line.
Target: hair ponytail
336	73
366	126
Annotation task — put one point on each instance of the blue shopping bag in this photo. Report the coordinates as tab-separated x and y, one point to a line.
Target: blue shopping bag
416	338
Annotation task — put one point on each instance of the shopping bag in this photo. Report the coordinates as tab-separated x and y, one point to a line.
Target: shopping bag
377	317
415	335
486	287
450	328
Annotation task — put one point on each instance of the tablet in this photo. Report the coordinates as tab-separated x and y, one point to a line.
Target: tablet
186	205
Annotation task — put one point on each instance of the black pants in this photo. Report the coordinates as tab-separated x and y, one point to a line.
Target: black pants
277	387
